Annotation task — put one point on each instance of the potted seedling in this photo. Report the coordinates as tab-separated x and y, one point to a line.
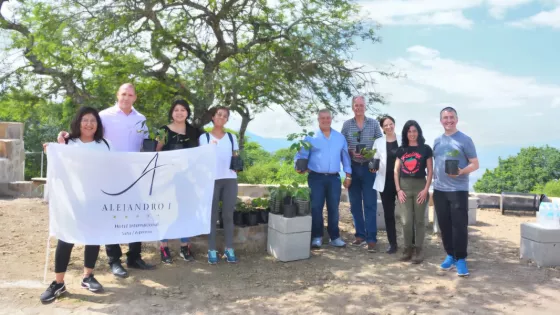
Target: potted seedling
369	155
302	197
452	165
276	197
301	164
289	207
250	216
236	163
238	213
261	206
154	136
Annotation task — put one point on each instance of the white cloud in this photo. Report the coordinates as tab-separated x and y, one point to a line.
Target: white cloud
493	107
544	18
434	12
498	8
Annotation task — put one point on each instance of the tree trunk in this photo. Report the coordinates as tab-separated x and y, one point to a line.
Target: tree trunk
245	119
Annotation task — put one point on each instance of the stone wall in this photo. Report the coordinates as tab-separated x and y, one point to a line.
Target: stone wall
12	152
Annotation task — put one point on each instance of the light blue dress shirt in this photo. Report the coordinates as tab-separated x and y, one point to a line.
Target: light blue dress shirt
326	153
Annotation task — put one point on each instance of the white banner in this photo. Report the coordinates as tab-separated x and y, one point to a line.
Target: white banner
98	198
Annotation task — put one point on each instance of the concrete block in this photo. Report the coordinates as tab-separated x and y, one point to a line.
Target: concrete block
540	245
289	238
289	225
472	216
11	130
473	202
289	247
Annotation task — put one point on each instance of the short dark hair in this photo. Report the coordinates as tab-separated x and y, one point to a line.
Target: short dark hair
448	109
176	103
407	125
75	132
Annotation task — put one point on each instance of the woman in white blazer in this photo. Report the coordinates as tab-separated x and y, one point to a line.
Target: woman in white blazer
384	180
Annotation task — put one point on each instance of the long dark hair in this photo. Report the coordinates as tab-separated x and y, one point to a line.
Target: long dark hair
407	125
75	132
183	103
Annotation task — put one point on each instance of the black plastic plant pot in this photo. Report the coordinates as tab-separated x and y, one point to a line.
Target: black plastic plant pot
177	146
251	218
264	216
302	207
374	164
301	165
452	167
236	163
238	218
359	148
290	210
149	145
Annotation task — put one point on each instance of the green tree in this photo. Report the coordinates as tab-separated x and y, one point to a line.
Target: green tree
528	171
248	55
552	188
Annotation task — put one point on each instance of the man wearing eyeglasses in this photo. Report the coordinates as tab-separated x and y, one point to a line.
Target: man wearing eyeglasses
360	133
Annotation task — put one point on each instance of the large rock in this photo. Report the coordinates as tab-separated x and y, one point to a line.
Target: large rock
11	130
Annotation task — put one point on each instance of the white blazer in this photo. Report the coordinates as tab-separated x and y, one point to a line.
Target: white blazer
381	145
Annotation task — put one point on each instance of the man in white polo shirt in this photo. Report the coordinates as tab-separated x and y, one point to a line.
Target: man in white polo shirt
121	123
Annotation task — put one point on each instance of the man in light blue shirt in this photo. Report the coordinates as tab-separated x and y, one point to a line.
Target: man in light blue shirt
328	150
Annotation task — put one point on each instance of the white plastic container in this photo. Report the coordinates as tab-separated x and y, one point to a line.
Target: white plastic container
549	215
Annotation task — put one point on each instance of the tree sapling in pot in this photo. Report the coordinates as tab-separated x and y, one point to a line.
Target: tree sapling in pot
452	165
154	136
302	197
289	208
368	155
301	164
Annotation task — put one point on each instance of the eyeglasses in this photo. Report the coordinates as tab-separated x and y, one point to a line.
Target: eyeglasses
89	121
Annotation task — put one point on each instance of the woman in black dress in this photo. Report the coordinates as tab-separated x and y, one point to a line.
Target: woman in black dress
179	135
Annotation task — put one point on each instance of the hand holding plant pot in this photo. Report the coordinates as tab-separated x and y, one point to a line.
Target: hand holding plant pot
452	165
236	163
369	154
154	136
301	164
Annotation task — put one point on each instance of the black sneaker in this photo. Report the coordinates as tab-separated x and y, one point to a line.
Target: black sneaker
91	284
186	253
165	255
52	292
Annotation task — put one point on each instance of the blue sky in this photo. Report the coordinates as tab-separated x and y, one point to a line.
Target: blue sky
495	61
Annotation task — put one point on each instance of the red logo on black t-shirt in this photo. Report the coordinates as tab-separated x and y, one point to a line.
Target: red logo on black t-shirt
411	163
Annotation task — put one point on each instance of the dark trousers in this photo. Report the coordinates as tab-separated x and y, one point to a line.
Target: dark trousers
114	252
388	199
324	187
62	256
452	209
363	202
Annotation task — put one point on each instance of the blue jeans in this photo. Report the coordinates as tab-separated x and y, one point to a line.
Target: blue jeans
324	186
361	189
183	240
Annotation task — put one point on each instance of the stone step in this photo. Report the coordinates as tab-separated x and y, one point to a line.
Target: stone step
21	189
11	130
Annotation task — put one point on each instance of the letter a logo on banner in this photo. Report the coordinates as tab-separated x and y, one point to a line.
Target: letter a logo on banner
144	172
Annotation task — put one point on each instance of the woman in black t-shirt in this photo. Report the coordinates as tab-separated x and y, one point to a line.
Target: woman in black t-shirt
414	157
179	135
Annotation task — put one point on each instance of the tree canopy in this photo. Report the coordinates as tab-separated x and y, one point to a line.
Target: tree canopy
530	170
249	55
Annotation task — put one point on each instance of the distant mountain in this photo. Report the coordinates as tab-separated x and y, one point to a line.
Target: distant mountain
269	144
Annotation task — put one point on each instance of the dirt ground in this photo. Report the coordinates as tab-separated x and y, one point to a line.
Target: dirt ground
333	281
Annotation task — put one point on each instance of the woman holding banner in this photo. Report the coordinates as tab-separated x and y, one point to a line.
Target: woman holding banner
86	131
179	135
225	187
